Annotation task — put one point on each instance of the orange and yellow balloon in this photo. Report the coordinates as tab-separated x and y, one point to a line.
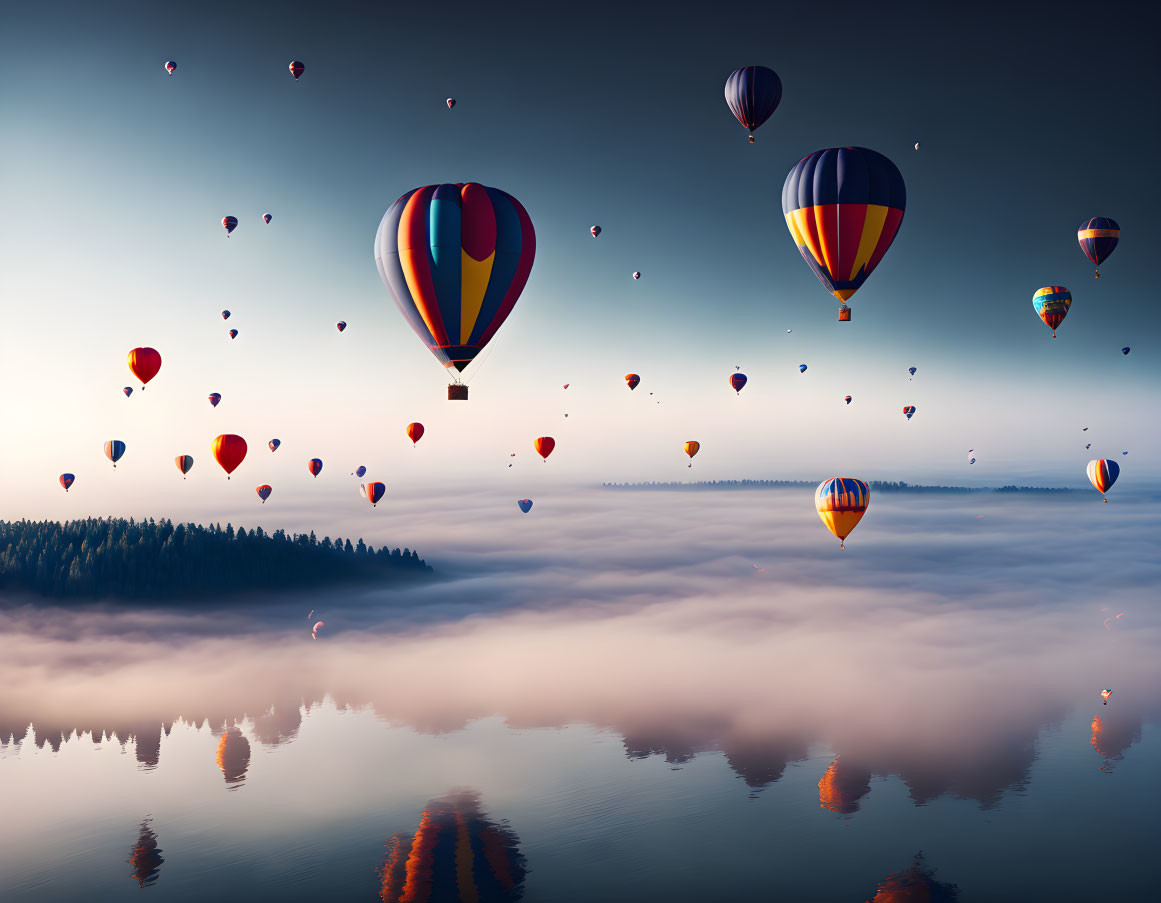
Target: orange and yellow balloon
691	449
841	502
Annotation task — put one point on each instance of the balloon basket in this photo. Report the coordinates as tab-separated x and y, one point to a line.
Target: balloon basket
457	392
844	315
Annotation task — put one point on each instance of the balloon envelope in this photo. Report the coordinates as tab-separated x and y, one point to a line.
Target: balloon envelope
908	409
525	505
595	230
66	480
341	325
692	447
802	368
228	450
841	503
170	66
225	315
360	471
215	397
544	446
451	102
144	363
632	380
233	333
737	381
128	390
848	399
1098	238
229	223
1051	304
1103	473
114	449
1125	350
636	275
375	492
753	94
296	69
911	370
184	463
274	443
264	492
455	258
266	217
314	465
414	432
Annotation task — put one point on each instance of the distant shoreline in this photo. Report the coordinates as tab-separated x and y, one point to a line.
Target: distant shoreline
875	485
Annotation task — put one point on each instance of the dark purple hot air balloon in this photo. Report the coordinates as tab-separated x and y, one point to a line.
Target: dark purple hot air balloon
753	94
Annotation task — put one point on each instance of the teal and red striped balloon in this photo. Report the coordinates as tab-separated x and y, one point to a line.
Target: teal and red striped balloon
1051	304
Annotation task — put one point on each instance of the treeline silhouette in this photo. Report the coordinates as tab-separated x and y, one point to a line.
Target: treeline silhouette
160	559
876	486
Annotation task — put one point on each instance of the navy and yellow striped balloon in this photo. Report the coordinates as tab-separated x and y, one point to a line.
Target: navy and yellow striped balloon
1098	238
1051	304
841	503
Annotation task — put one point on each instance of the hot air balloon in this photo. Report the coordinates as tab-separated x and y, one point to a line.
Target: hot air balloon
229	451
128	390
632	380
233	333
225	315
524	505
909	410
1102	474
841	502
1098	237
314	630
911	370
266	217
544	446
229	223
1088	445
455	258
1105	694
314	465
753	94
1125	350
636	275
848	399
144	363
184	464
971	456
414	432
802	368
595	230
273	444
170	66
66	480
359	471
296	69
738	382
375	492
451	102
341	325
917	145
114	449
264	492
1051	304
215	397
843	206
691	449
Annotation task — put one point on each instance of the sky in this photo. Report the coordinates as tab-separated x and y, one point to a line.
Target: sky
117	177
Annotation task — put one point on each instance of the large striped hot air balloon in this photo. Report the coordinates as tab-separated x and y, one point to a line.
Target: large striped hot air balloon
1098	238
753	94
1102	474
1051	304
455	258
841	502
843	206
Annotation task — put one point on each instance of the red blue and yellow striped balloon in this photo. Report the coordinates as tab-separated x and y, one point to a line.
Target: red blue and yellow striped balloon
1051	304
1102	474
456	258
841	502
1098	238
844	206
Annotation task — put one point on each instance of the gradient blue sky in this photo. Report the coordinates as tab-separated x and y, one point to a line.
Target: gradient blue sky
116	177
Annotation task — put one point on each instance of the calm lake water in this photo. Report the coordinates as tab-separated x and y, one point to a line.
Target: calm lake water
628	699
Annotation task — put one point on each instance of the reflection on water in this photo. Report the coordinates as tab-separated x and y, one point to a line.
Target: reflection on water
233	757
843	786
1113	732
916	885
145	857
456	853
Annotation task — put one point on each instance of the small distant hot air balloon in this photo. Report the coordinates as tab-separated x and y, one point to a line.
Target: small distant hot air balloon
414	432
917	145
229	451
114	449
911	370
375	492
341	325
524	505
632	380
264	492
451	102
233	333
636	275
1098	237
296	69
595	230
1105	694
144	364
274	443
215	397
1102	474
314	465
1088	445
738	382
691	449
359	471
266	217
848	399
128	390
841	503
314	630
225	315
971	456
170	66
544	446
229	223
1125	350
66	480
184	464
1051	304
802	368
909	410
753	94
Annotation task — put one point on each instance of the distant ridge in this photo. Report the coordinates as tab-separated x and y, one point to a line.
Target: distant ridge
876	486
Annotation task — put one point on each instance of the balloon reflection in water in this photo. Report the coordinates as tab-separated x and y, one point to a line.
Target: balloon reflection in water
234	757
456	853
916	885
145	857
842	787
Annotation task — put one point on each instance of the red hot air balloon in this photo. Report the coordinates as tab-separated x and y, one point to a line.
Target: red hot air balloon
144	362
375	492
314	465
229	223
296	69
414	432
264	492
544	446
229	451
